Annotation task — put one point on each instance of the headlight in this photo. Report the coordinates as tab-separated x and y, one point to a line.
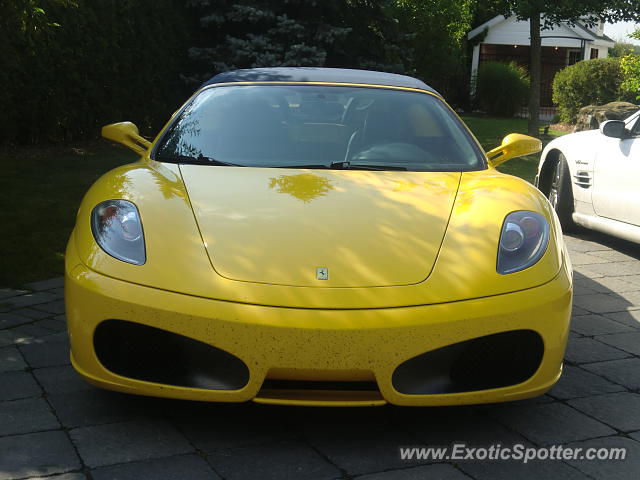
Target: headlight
523	241
117	228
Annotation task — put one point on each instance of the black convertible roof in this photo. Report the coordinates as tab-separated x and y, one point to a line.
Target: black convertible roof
316	74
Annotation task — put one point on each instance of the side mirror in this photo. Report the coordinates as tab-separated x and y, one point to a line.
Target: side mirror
613	129
514	145
127	134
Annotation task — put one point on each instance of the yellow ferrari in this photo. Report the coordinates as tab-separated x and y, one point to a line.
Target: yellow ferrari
313	236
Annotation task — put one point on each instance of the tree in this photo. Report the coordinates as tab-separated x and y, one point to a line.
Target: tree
630	65
547	13
436	30
620	49
259	33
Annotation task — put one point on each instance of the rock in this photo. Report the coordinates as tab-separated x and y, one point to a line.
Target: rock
590	118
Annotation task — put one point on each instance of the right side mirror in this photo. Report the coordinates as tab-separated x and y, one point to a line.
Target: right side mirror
613	129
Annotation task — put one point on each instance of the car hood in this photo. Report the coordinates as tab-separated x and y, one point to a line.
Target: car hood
280	226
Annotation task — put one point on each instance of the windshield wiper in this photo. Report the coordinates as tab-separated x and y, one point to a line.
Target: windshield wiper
199	160
346	165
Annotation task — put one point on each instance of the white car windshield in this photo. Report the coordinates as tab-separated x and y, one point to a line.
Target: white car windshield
312	126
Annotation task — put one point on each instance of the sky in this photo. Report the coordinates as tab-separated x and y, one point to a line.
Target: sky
619	31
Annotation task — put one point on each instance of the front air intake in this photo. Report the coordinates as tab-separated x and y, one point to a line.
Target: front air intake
147	353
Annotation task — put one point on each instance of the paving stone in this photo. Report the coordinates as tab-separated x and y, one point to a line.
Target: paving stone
432	472
94	406
632	297
52	350
127	442
619	410
9	337
609	469
625	372
614	269
607	284
597	325
586	271
43	453
447	425
537	469
587	350
55	307
26	416
191	467
11	359
31	313
273	461
49	284
629	342
576	382
580	245
630	318
580	258
549	424
56	326
32	331
18	385
64	476
635	279
602	303
215	427
613	256
29	299
577	311
583	258
61	380
8	292
366	449
9	319
582	290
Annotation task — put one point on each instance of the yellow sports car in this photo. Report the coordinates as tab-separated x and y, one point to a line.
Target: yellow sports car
313	236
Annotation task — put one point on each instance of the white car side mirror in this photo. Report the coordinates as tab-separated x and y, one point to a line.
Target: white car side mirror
613	129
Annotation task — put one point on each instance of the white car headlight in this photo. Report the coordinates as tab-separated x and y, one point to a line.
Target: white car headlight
117	228
523	241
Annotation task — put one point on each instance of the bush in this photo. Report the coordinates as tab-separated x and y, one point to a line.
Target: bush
590	82
630	65
501	88
70	66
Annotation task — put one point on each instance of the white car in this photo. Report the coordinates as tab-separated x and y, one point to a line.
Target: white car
592	178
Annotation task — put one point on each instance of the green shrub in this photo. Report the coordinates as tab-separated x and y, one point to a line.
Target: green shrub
590	82
630	65
501	88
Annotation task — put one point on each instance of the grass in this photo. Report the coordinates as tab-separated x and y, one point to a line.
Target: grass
42	188
490	131
41	191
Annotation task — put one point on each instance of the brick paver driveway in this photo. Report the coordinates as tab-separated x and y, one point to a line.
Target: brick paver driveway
51	422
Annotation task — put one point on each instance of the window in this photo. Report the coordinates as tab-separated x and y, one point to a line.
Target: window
594	53
573	56
314	126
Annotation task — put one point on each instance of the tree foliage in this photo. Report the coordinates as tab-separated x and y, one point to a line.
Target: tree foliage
259	33
502	88
71	66
590	82
555	12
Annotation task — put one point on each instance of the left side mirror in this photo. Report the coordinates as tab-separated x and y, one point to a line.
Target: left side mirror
514	145
613	129
127	134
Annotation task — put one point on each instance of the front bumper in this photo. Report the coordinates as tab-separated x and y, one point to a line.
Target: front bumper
313	345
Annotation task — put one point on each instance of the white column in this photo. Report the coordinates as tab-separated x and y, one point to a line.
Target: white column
475	61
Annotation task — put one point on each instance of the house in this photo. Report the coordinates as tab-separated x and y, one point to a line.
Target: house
506	39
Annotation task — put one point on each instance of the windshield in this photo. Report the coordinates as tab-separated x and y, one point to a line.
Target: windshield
319	127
